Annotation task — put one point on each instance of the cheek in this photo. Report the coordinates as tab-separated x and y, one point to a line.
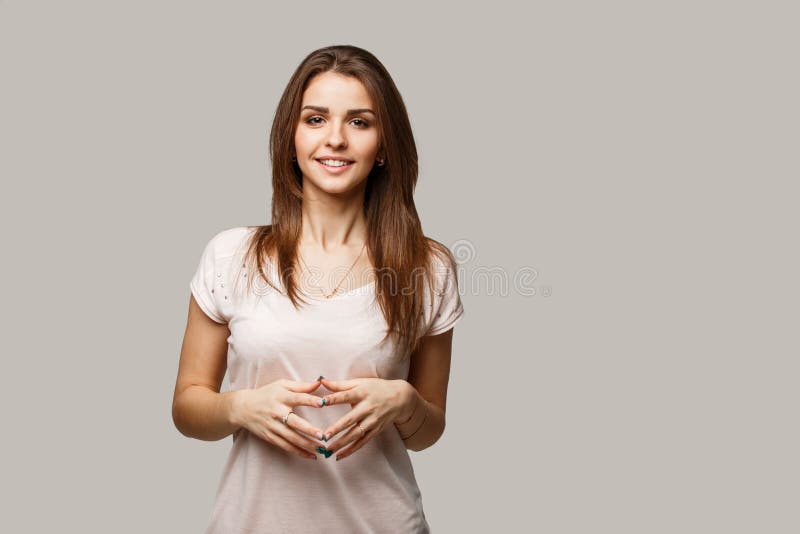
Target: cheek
305	140
369	145
300	143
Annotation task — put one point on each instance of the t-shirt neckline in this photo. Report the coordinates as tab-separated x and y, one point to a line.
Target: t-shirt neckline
351	293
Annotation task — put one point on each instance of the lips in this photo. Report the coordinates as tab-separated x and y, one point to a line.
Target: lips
334	159
335	169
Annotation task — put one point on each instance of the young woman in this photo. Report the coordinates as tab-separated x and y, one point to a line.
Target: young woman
335	322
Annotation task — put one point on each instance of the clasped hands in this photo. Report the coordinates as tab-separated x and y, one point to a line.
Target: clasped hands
376	402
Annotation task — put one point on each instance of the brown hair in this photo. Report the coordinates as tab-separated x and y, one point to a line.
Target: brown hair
396	245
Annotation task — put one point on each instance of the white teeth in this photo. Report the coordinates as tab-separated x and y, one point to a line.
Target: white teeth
334	162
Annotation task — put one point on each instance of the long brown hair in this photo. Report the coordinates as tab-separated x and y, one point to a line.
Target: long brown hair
400	253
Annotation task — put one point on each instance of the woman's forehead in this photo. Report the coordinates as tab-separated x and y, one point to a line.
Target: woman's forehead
336	92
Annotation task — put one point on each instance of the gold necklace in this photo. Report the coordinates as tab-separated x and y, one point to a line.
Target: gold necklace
335	289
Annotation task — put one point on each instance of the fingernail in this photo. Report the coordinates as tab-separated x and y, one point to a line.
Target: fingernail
321	450
323	402
319	435
339	458
325	437
328	454
320	377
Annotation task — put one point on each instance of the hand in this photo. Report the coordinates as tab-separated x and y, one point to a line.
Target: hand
376	403
261	412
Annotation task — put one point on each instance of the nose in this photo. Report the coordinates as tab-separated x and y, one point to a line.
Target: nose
336	136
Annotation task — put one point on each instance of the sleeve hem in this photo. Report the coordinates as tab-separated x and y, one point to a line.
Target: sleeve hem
450	323
205	306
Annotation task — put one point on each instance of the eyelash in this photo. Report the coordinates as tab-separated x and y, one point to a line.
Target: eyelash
365	124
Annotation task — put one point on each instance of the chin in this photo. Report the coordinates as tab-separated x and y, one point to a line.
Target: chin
333	185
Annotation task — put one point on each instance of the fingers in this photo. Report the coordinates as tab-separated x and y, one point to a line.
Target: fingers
304	399
290	432
340	385
298	423
343	397
354	439
350	436
347	419
302	387
346	392
281	442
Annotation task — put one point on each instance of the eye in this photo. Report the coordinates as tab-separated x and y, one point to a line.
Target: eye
316	120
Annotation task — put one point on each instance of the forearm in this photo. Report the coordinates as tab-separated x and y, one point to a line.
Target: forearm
425	426
204	414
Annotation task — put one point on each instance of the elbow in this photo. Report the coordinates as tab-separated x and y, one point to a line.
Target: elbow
437	436
177	418
422	445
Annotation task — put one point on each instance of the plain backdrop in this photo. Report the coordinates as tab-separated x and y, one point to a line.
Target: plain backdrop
638	160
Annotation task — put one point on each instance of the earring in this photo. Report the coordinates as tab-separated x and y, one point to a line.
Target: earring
380	162
294	158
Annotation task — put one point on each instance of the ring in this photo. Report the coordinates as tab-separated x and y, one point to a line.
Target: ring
363	432
286	417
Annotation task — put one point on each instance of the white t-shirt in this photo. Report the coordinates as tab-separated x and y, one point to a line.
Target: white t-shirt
264	489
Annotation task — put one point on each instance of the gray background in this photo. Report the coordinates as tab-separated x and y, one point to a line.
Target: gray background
639	156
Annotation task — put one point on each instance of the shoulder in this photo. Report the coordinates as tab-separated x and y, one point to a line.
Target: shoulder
439	250
444	307
442	261
231	241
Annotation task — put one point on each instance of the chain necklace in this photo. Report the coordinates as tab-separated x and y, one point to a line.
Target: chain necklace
335	289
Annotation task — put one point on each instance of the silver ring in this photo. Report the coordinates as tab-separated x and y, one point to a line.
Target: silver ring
363	432
286	417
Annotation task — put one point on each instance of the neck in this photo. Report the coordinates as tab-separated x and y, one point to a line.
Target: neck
331	223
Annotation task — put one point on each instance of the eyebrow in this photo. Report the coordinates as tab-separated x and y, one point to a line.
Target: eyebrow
349	111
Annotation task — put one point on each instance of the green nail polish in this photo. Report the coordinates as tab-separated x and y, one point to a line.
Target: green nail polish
324	437
321	450
320	376
323	402
328	454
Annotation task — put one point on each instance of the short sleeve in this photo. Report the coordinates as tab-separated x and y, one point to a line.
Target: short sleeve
204	280
447	306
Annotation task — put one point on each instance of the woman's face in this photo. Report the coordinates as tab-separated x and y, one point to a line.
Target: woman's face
337	121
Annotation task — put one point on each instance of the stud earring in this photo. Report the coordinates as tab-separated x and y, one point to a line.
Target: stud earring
380	162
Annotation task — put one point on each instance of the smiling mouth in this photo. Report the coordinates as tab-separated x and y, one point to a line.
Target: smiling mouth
335	166
335	162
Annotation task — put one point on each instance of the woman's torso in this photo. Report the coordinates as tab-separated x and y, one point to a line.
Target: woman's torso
265	489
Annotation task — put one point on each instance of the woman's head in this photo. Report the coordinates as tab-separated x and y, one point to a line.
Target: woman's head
343	75
340	78
336	140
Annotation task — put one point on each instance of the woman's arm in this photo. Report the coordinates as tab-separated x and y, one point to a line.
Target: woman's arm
199	410
423	421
